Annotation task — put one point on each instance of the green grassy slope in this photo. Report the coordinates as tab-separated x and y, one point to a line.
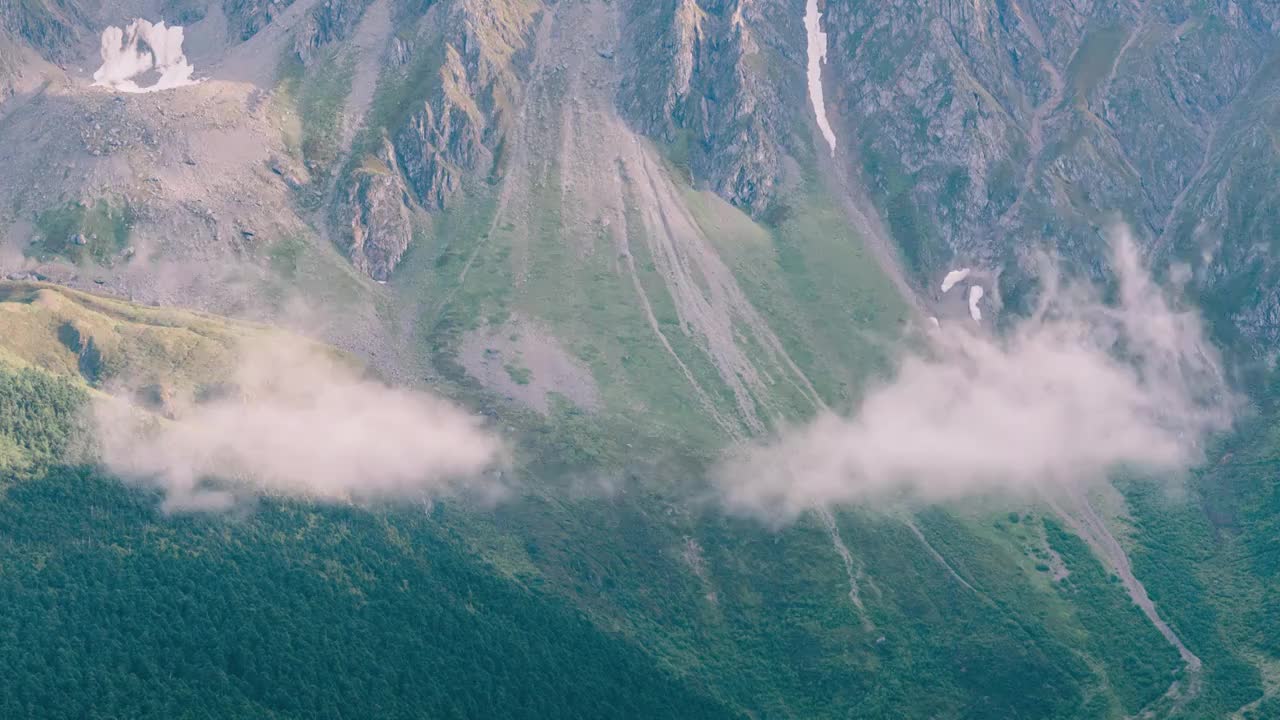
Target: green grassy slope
605	556
613	520
763	618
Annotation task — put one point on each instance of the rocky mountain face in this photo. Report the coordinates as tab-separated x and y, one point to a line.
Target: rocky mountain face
703	77
450	80
987	131
978	134
972	135
52	28
708	74
326	23
11	65
380	225
246	17
457	129
983	134
32	38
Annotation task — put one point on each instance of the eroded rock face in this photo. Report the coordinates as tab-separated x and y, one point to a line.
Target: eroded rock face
11	61
698	68
444	139
246	17
455	131
984	131
456	78
328	22
51	29
1226	228
980	130
378	227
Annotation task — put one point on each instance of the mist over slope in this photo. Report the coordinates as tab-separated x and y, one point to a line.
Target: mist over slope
210	411
295	423
1054	403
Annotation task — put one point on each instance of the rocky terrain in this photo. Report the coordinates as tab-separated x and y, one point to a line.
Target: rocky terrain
988	131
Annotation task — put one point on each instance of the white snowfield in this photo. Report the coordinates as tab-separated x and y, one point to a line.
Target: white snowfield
818	56
953	277
140	48
975	295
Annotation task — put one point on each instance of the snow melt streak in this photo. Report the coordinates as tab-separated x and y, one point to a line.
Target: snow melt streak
140	48
975	296
818	56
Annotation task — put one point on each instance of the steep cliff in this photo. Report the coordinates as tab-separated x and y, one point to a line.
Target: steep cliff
52	27
989	131
245	18
450	79
326	23
710	76
380	229
477	57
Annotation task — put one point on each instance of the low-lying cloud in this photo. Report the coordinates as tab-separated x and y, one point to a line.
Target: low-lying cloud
297	422
1061	399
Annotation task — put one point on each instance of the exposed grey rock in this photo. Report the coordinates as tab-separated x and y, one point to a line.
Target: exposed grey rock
328	22
52	29
246	17
374	221
698	68
987	130
454	132
442	141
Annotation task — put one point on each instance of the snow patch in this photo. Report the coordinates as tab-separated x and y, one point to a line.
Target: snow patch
818	56
141	48
953	277
975	295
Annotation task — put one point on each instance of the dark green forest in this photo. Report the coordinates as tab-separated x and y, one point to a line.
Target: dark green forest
113	610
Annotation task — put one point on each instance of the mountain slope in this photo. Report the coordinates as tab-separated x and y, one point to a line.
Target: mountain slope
618	231
639	572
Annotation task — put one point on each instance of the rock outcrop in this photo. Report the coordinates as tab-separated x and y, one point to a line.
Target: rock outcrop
53	29
379	228
328	22
458	80
246	17
456	130
985	131
698	68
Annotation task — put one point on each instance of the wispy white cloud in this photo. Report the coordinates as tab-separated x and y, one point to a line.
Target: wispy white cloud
297	422
1063	397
